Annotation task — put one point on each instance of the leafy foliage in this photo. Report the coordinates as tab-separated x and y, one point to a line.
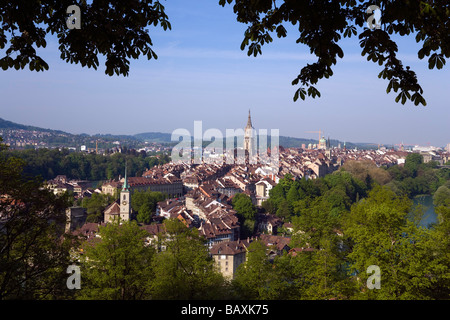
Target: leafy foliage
144	202
34	254
96	205
290	198
48	163
322	24
416	178
117	266
367	171
114	29
246	212
254	277
412	261
244	206
185	270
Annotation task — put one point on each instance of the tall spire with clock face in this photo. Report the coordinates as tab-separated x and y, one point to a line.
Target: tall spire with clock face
249	139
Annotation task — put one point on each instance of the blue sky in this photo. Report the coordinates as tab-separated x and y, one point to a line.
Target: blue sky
201	74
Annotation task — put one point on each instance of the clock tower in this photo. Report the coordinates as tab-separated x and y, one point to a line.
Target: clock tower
125	206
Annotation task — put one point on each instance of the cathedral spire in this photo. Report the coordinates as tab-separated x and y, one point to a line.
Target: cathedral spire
249	121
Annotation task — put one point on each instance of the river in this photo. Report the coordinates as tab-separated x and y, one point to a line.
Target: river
429	215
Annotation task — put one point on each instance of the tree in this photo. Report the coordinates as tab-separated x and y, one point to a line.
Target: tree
117	266
144	202
442	196
284	210
144	215
146	198
416	177
254	275
321	274
244	206
104	31
268	206
412	163
279	193
321	24
411	259
293	194
185	269
95	206
315	223
246	213
48	163
362	169
34	252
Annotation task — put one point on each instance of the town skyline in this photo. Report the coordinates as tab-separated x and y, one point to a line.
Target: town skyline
306	136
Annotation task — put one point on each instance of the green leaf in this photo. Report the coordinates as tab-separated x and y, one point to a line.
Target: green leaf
281	31
300	92
296	95
436	60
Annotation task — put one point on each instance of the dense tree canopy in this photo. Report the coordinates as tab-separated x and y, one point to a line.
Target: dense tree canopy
412	259
114	29
117	266
120	265
144	203
95	206
246	212
416	178
34	254
48	163
185	269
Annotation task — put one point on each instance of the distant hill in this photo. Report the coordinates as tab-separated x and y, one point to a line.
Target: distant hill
157	137
5	124
163	138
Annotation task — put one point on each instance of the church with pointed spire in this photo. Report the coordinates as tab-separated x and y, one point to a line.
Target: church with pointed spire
249	139
121	208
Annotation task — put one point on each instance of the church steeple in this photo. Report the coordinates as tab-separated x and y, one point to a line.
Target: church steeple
249	137
125	183
249	121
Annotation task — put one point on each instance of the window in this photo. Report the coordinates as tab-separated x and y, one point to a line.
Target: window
223	257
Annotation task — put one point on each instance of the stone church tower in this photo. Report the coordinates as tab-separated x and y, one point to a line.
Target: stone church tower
249	139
